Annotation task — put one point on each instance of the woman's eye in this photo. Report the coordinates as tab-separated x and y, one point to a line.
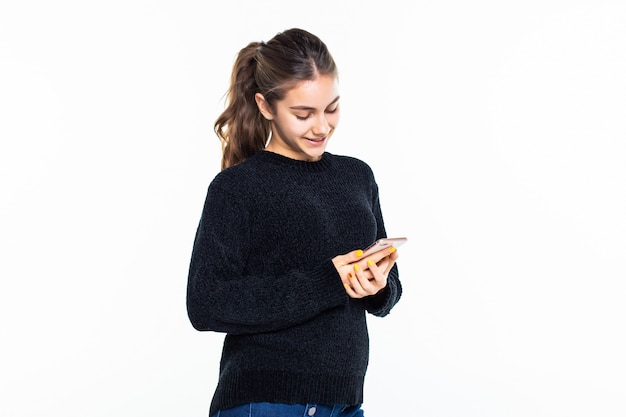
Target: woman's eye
329	111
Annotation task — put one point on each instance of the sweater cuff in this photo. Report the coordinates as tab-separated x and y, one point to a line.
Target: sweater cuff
331	281
381	303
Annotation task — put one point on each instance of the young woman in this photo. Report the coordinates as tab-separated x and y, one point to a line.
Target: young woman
276	263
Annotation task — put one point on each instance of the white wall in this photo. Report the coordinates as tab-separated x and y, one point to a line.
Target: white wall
497	133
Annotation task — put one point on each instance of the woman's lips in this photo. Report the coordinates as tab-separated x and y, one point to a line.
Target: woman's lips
316	140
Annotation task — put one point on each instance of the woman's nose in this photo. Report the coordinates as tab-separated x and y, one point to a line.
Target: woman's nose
321	127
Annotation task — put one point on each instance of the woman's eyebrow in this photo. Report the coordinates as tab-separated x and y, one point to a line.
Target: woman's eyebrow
313	108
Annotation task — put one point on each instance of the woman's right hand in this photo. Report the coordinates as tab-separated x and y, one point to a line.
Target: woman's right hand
362	277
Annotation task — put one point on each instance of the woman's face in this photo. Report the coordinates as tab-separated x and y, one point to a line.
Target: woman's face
304	120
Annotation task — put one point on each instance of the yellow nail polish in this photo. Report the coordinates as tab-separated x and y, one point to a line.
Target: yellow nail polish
359	253
356	267
369	262
346	286
392	249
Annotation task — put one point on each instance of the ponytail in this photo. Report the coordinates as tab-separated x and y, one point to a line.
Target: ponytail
241	128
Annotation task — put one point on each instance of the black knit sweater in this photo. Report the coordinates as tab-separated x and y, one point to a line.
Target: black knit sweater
261	271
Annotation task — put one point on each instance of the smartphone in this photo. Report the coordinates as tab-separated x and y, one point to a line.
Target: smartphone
384	243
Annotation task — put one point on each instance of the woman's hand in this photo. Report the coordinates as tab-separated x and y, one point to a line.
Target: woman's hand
365	276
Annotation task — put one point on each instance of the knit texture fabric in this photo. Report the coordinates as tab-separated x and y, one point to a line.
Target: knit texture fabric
261	271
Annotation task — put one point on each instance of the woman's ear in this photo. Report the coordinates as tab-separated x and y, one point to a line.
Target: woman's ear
264	108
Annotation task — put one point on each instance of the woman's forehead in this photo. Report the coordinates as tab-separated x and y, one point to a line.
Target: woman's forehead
319	92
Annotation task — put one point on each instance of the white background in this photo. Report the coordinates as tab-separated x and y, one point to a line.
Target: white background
497	132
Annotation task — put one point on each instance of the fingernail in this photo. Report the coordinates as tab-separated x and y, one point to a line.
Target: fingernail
392	249
359	253
346	286
349	274
369	262
356	267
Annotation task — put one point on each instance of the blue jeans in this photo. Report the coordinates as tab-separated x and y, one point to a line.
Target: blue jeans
290	410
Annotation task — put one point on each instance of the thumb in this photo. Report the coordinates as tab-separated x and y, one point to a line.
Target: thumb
354	256
348	258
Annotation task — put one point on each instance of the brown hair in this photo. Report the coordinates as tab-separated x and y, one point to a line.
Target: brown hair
271	69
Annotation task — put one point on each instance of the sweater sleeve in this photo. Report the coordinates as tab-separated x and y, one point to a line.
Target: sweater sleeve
381	304
226	294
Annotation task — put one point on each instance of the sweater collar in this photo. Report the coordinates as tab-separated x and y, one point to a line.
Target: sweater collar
277	159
